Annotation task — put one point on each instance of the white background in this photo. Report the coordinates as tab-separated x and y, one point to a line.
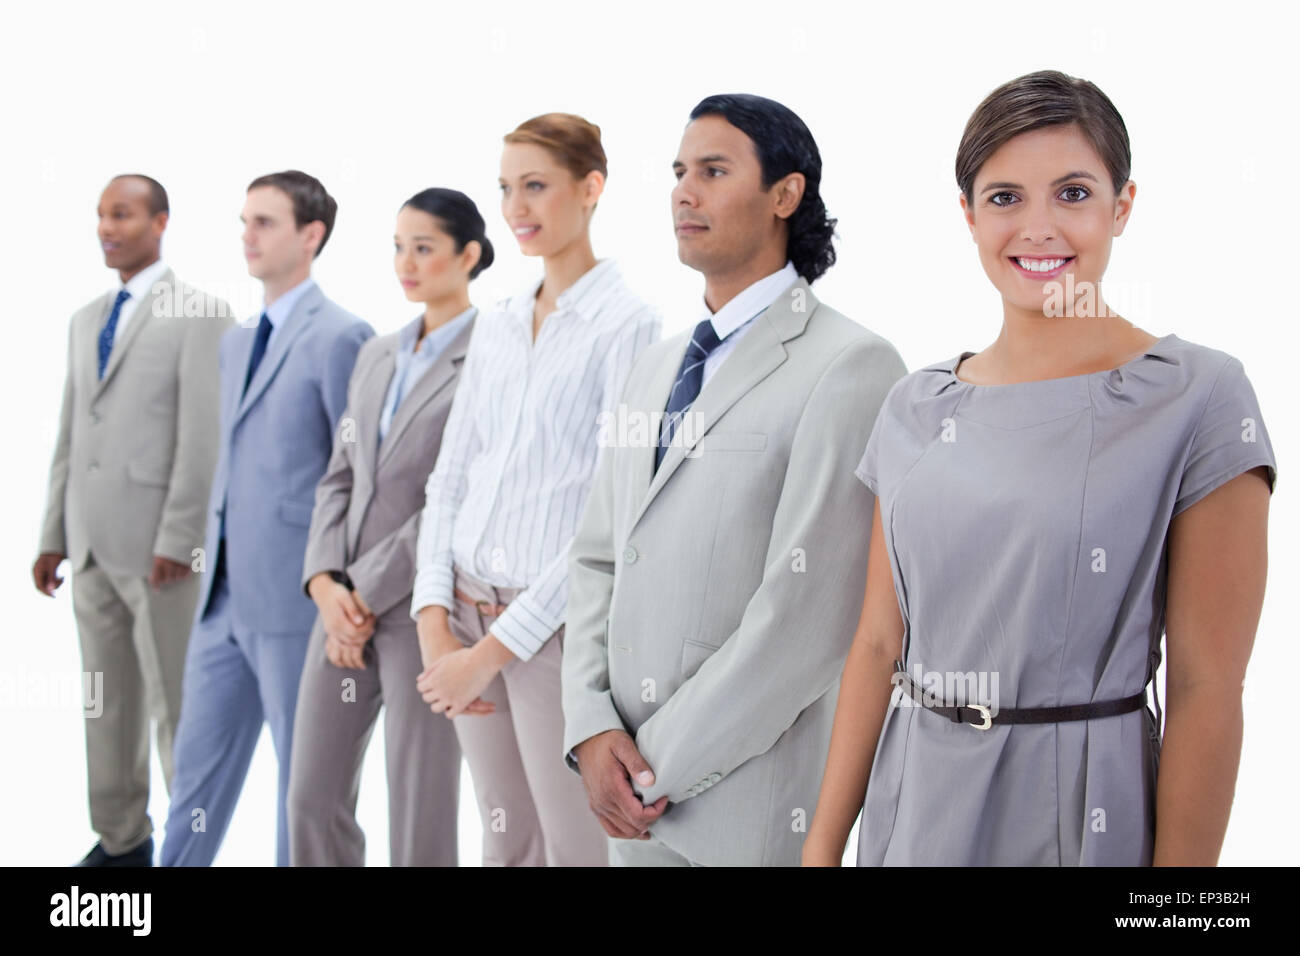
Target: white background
380	100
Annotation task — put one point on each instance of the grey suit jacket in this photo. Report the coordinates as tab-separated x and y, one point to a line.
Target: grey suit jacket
370	500
135	451
711	604
276	440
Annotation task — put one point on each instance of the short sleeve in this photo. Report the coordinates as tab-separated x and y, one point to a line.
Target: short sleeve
1230	439
867	470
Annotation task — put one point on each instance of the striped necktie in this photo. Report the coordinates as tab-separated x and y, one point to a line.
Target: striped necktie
690	378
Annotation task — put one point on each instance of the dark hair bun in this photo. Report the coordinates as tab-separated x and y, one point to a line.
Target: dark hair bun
459	218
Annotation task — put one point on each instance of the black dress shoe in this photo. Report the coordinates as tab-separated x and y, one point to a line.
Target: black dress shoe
140	856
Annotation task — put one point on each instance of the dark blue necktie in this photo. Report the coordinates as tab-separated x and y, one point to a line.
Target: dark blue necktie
690	378
259	349
109	330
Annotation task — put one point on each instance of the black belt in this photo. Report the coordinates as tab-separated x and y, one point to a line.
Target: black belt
982	718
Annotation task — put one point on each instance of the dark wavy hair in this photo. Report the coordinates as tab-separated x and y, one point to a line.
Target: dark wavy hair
459	218
784	145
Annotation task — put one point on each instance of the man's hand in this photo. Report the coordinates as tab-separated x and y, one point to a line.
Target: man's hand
45	572
165	571
342	611
609	763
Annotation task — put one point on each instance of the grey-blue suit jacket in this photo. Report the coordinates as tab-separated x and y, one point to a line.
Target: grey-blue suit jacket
275	443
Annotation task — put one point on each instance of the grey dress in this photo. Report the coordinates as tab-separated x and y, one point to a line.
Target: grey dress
1027	526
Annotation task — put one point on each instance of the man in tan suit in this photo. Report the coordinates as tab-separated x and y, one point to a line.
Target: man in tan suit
128	493
716	578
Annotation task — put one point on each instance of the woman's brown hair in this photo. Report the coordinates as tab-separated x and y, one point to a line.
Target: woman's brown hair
1036	100
573	141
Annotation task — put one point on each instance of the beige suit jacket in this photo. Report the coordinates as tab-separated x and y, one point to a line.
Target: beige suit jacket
712	603
135	451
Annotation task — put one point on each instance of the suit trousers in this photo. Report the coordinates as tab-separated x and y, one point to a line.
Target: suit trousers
136	638
337	710
235	680
533	807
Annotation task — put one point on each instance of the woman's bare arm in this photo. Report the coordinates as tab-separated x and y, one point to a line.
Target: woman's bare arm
1218	560
860	712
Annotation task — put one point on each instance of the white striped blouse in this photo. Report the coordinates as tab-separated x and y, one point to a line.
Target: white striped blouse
520	447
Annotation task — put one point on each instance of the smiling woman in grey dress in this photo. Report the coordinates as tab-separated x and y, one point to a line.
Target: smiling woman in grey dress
1045	509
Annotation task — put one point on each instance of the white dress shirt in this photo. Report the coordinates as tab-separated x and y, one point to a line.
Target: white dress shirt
737	317
137	288
520	448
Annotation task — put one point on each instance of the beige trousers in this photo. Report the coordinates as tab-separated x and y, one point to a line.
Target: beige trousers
533	807
135	638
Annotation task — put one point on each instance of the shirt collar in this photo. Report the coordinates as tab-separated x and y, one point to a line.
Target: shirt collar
436	340
583	297
143	281
283	307
751	301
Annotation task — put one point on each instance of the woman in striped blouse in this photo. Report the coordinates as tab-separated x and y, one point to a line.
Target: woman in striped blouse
504	500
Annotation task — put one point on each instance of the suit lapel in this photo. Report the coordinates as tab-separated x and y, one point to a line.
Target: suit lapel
371	397
434	379
370	393
294	325
232	384
643	456
754	358
142	313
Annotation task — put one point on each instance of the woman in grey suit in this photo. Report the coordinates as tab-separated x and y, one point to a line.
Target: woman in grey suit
360	563
1044	508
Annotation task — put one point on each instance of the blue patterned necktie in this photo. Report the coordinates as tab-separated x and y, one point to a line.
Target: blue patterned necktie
259	349
690	378
109	330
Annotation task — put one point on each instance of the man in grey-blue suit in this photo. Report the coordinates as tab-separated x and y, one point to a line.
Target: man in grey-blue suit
283	389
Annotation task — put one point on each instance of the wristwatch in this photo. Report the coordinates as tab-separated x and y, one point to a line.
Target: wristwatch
342	578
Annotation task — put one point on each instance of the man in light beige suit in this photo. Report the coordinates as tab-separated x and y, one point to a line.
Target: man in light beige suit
128	492
716	578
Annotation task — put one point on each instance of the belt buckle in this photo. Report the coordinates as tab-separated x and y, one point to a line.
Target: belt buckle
988	717
486	608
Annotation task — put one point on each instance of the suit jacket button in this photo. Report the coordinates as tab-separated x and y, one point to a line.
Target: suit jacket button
715	777
93	466
629	554
94	418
